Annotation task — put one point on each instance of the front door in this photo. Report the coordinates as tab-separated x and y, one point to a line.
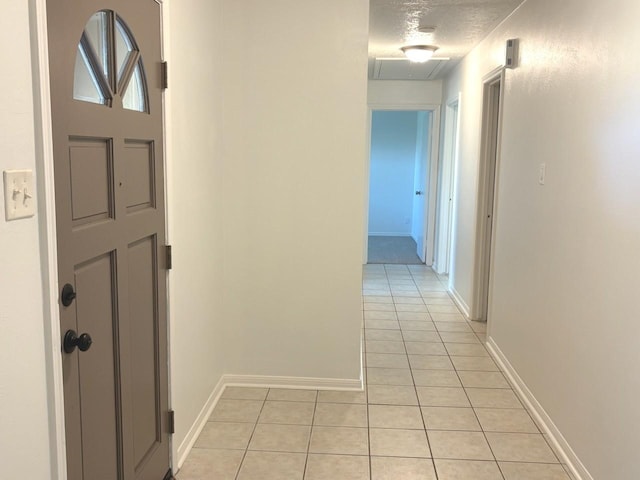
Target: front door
105	67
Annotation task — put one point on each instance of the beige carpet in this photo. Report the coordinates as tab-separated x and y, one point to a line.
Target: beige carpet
393	250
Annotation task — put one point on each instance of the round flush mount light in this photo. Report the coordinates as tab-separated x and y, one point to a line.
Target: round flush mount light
426	29
419	53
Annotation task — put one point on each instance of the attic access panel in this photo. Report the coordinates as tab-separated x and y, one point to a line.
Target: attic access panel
403	69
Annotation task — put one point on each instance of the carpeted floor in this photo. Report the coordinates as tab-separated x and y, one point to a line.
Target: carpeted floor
393	250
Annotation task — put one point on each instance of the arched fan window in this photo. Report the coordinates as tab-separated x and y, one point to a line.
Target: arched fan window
109	64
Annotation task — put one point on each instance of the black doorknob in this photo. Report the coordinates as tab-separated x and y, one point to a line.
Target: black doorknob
68	295
72	340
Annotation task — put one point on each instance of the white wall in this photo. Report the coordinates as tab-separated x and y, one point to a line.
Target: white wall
397	92
262	284
566	260
294	139
198	327
394	137
24	433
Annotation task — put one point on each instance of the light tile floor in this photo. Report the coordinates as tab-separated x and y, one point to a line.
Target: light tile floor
436	406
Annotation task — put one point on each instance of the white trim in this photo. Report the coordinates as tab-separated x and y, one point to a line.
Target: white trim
459	301
434	163
560	445
166	128
264	381
48	245
198	425
388	234
304	383
367	181
410	107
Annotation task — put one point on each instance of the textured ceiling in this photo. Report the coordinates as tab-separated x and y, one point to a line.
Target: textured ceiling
460	25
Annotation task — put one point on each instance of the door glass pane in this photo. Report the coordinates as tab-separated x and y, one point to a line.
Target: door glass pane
135	95
85	85
97	32
124	47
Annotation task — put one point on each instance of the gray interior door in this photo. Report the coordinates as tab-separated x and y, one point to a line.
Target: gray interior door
105	67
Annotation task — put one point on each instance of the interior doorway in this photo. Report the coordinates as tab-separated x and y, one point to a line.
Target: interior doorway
446	176
401	153
486	224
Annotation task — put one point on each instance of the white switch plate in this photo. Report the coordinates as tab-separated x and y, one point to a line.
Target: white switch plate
542	173
19	194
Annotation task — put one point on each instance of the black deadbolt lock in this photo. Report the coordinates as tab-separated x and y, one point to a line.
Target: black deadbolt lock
68	295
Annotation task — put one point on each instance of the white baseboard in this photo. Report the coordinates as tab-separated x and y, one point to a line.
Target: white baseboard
264	381
305	383
560	444
201	420
460	303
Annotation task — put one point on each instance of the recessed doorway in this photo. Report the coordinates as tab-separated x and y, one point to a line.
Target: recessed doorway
400	174
487	191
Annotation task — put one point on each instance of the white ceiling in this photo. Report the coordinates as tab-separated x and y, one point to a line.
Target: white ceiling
460	25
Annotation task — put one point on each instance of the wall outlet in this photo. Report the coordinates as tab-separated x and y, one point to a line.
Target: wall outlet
542	173
19	194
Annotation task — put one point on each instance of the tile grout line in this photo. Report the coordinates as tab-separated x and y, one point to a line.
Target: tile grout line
469	399
472	409
366	399
313	421
415	388
255	426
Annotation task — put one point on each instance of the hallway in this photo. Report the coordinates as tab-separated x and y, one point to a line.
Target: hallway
436	406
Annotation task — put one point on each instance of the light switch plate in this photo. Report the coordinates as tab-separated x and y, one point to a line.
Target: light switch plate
542	171
19	194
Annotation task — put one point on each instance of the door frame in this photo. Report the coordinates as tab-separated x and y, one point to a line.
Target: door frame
48	234
446	186
488	176
434	155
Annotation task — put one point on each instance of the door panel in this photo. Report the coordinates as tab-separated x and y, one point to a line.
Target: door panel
107	138
91	169
94	282
139	175
143	265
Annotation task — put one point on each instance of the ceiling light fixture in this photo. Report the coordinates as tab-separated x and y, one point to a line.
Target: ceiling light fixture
426	29
419	53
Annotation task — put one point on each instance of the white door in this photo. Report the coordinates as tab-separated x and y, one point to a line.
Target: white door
445	194
421	183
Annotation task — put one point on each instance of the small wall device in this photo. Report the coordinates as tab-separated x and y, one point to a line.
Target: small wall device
511	58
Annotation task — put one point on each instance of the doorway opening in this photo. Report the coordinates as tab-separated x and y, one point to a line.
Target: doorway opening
446	178
491	119
401	153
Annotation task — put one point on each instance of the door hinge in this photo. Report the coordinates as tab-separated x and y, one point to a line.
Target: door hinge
169	475
164	74
169	257
172	421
